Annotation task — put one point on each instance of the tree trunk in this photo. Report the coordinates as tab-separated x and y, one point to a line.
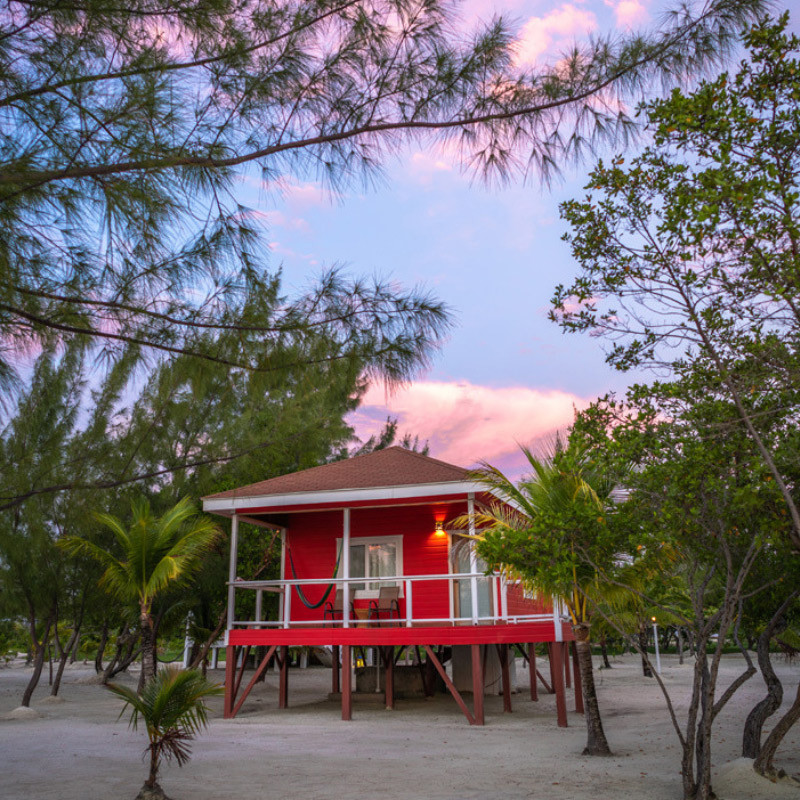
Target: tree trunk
680	645
39	649
596	744
101	648
75	637
73	656
148	649
604	652
201	656
646	671
122	662
764	762
762	711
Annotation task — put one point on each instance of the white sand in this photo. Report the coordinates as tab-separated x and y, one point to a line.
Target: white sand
423	749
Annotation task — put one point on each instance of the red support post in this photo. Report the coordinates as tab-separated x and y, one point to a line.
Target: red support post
389	677
578	685
477	684
532	668
283	685
557	677
565	656
449	684
335	669
262	668
347	677
502	652
230	673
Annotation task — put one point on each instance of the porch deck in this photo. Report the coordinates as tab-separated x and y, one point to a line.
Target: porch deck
391	634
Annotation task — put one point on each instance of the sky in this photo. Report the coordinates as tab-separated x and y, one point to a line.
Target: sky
506	375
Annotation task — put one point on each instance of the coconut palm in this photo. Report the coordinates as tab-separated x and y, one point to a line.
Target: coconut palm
552	533
173	711
156	553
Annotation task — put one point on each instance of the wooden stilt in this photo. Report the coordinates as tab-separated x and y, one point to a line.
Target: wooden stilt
578	685
565	656
532	670
262	668
347	678
388	677
430	677
502	652
283	685
449	684
557	676
243	656
230	673
423	673
335	669
477	684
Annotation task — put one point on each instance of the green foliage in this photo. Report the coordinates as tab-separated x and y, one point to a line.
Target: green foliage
552	529
689	254
122	141
171	707
155	552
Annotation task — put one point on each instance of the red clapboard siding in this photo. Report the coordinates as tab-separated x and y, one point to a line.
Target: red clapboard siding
312	538
518	604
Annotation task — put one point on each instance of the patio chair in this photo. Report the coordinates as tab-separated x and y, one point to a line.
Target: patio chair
334	608
388	603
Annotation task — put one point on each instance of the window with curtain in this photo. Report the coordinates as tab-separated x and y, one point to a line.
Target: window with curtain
375	558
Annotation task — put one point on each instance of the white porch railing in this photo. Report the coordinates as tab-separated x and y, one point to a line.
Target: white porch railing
498	590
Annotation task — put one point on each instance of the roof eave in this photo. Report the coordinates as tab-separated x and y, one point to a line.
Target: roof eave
341	497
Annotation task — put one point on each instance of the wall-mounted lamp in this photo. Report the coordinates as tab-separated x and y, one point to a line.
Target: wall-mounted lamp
439	527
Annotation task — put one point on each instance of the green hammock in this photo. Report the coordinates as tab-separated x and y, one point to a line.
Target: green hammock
299	588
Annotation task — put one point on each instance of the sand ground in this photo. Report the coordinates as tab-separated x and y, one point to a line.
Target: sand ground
424	749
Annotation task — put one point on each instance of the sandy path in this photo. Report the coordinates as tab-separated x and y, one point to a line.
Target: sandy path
423	749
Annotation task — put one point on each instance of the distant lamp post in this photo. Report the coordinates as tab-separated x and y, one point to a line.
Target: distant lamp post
655	641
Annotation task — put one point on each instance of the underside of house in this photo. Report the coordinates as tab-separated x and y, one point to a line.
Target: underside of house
370	560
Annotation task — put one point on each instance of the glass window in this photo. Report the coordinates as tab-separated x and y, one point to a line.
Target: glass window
357	563
382	563
375	558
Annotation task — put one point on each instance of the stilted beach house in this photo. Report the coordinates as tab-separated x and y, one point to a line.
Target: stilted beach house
368	561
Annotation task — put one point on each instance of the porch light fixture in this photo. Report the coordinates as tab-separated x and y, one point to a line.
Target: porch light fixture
439	527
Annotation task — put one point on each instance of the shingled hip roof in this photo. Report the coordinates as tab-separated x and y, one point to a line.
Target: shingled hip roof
394	466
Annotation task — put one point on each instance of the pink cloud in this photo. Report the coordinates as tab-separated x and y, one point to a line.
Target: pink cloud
465	423
629	12
545	35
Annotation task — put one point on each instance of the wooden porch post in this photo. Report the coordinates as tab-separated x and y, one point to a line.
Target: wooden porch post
502	652
473	559
346	569
232	573
578	686
565	656
388	677
347	677
230	672
283	684
557	677
477	684
532	668
335	669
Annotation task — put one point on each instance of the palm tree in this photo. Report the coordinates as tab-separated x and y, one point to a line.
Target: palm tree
552	532
156	553
172	709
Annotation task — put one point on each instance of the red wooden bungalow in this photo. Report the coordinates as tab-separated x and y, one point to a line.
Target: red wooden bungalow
360	533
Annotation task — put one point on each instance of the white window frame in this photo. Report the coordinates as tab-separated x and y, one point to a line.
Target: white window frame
372	594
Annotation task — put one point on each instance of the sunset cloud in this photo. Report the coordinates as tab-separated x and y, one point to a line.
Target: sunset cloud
629	12
466	423
546	35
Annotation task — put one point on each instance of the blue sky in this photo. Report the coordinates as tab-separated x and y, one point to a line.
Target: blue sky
506	374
